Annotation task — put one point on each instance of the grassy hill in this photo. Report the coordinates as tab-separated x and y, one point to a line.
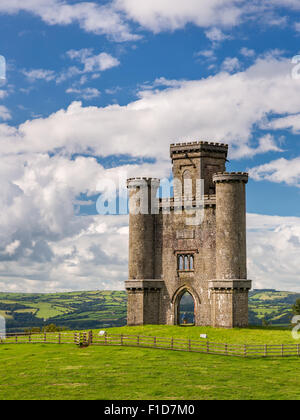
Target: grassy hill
67	372
76	310
272	306
98	309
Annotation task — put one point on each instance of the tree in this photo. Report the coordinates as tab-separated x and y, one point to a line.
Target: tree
51	328
296	307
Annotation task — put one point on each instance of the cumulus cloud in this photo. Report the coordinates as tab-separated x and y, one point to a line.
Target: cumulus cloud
91	17
45	245
225	107
280	171
117	18
273	251
175	14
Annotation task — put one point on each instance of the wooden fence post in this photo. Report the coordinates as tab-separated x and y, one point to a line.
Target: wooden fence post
189	345
298	349
59	338
282	350
207	347
121	337
226	349
90	338
45	336
172	343
245	350
154	341
138	340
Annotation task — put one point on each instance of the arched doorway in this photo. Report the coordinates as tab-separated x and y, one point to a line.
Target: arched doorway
185	300
186	309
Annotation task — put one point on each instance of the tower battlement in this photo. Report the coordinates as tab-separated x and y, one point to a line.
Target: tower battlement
197	146
231	177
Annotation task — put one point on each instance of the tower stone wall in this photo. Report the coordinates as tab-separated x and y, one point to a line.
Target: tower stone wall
168	257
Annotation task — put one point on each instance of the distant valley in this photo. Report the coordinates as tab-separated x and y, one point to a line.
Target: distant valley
97	309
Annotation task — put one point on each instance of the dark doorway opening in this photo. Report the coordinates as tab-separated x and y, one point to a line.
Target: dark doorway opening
186	310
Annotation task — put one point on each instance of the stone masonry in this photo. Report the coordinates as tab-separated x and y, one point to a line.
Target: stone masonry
168	257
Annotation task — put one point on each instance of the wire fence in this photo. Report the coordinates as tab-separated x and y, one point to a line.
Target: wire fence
84	339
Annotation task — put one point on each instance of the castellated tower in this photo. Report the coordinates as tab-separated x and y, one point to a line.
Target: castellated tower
168	256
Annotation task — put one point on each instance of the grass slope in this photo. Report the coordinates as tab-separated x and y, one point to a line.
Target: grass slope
50	372
252	335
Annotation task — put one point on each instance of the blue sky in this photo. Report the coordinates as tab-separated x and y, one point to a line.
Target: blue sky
96	89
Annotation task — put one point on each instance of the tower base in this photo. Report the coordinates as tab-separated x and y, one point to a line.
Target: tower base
229	303
144	298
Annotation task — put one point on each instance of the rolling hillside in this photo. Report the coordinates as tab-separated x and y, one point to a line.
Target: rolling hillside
76	310
84	310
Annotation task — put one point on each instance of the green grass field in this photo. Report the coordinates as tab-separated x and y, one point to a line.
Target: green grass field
41	371
252	335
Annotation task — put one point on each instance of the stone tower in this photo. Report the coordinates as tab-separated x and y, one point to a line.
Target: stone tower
169	256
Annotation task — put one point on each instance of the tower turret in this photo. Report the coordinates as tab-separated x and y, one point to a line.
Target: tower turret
142	209
230	289
143	289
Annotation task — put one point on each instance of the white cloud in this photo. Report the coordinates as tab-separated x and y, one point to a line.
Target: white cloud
115	18
225	107
160	15
293	4
4	113
58	250
280	171
87	93
91	64
273	251
231	64
290	122
94	63
91	17
44	245
209	54
39	74
3	94
247	52
216	35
